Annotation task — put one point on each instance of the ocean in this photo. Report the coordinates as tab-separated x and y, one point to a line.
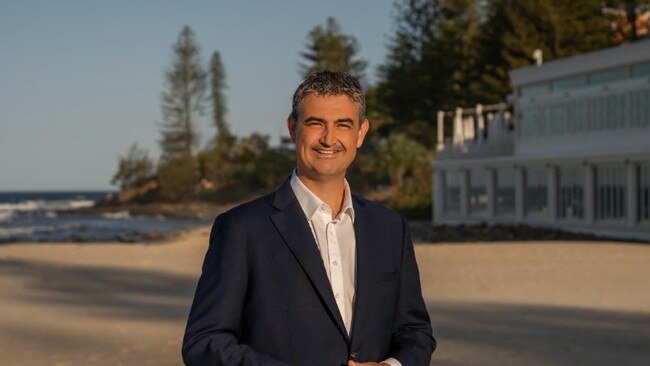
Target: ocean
39	217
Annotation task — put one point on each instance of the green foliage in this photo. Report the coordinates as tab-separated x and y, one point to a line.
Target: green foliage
134	168
273	167
432	59
398	157
178	178
183	100
217	165
247	162
330	49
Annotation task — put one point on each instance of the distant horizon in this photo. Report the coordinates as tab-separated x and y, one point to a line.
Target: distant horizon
75	94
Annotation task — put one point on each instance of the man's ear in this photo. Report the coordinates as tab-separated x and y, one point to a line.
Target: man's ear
291	125
363	130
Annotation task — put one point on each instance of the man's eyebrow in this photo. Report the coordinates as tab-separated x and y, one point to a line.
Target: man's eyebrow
316	119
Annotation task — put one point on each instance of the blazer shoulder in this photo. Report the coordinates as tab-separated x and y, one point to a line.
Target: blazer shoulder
377	210
250	211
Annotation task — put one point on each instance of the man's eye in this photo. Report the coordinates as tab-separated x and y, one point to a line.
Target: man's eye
345	125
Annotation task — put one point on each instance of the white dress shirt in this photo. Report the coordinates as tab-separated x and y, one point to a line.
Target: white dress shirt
337	245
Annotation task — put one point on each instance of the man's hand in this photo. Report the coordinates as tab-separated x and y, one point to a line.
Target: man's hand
352	363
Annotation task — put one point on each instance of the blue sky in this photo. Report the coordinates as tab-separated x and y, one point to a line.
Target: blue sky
81	80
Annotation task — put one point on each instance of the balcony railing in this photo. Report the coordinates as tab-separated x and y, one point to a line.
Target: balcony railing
483	131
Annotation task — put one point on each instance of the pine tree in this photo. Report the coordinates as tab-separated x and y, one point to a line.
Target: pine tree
330	49
515	28
432	58
183	100
219	108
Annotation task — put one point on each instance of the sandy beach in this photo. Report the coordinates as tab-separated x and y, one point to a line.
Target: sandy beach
532	303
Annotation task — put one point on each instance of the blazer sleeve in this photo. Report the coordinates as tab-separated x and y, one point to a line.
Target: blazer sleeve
214	323
413	343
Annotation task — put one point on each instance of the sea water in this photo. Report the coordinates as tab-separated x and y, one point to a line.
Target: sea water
54	217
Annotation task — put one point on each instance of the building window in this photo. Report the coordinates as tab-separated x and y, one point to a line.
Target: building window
569	83
533	90
535	194
608	76
598	113
478	192
505	191
641	69
570	197
610	192
644	193
452	194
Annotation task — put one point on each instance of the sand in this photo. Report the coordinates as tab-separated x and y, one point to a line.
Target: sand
533	303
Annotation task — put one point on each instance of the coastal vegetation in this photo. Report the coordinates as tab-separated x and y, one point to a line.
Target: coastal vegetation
443	54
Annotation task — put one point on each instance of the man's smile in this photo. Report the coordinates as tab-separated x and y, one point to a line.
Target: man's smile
326	153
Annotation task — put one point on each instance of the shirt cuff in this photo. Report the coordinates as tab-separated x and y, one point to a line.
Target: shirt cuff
392	362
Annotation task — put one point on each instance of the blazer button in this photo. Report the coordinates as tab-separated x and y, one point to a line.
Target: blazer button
354	355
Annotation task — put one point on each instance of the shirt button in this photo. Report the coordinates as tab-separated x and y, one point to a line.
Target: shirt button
335	263
337	295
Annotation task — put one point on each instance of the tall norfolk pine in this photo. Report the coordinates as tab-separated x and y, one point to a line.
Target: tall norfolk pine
330	49
217	86
183	100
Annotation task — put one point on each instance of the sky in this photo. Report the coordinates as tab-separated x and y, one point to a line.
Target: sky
80	81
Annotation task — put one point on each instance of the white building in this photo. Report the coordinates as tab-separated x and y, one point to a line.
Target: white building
573	154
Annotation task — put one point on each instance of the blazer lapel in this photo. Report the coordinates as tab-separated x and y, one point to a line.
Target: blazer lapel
293	227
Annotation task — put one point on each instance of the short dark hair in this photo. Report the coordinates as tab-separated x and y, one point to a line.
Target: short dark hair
332	83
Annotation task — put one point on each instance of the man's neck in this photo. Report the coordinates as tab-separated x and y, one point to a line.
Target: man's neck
330	191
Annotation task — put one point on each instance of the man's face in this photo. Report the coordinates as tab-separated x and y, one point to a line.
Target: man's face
327	135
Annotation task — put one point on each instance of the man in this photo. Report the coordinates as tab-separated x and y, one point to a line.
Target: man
311	275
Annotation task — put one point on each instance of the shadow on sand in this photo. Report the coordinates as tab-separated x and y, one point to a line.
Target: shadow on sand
513	334
105	291
468	333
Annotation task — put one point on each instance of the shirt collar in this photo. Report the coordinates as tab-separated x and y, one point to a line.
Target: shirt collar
310	203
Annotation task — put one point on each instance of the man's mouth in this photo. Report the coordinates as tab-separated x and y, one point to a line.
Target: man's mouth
326	151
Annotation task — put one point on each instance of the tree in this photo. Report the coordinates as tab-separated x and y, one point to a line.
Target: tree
178	178
431	61
183	100
515	28
452	53
330	49
219	108
405	163
134	168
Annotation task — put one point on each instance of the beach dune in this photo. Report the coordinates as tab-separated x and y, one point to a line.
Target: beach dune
542	303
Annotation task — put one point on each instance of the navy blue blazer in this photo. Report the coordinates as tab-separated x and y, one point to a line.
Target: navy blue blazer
263	297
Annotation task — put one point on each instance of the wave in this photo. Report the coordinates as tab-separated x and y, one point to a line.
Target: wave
44	205
10	232
116	215
6	215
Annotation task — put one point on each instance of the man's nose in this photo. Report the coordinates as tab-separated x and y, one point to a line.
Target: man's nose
328	138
